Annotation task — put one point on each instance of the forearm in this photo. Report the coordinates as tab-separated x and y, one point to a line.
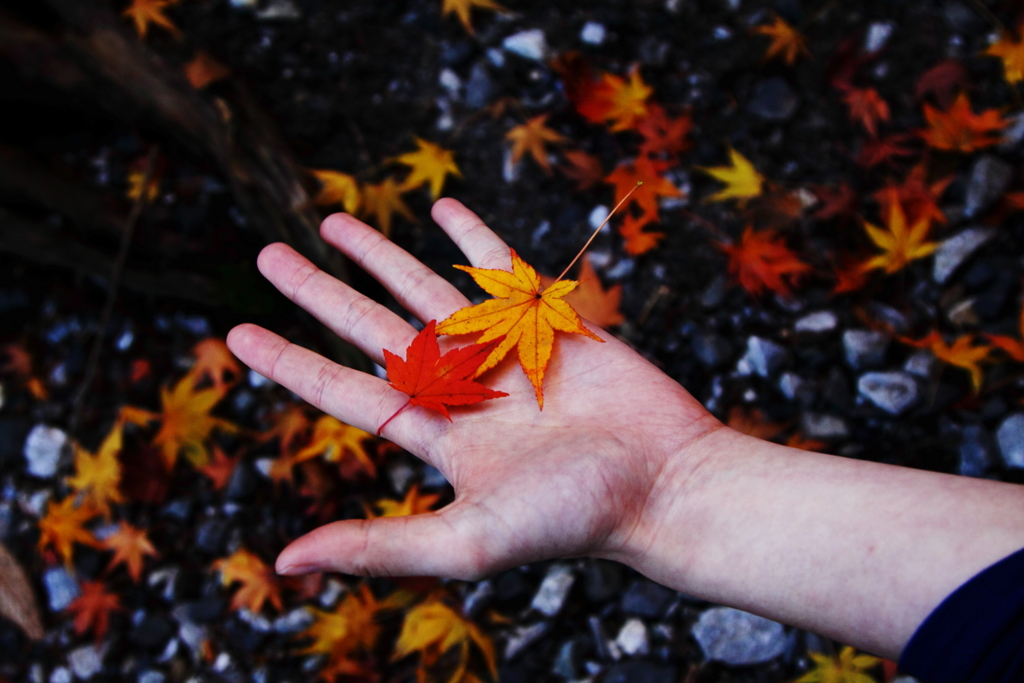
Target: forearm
857	551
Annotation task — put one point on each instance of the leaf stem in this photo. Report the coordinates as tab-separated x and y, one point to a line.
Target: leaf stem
385	424
592	237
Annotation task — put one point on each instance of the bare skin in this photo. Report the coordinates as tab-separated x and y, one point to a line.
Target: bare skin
623	464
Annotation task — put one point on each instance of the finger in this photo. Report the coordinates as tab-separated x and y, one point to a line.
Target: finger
449	543
417	288
351	315
481	246
354	397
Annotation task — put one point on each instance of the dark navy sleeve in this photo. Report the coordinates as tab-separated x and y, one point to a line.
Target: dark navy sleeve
976	634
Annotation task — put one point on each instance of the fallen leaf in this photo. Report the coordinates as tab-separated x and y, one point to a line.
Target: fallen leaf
215	362
522	316
616	101
532	137
144	476
98	477
186	423
775	209
64	525
429	164
432	628
885	150
804	444
899	244
19	364
220	468
146	12
346	636
337	188
590	299
943	81
258	581
1010	50
434	381
959	129
867	108
384	200
1014	348
92	609
290	425
850	276
918	198
742	181
647	171
203	70
17	597
338	442
584	169
752	422
787	43
131	546
965	352
762	260
848	667
413	504
461	9
663	135
840	202
637	240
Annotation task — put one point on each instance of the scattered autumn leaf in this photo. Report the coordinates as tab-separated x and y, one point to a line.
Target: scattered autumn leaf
742	181
19	363
885	150
186	423
64	525
583	169
662	134
138	188
1010	49
867	108
17	598
787	43
383	201
1014	348
289	426
614	100
414	503
850	276
752	422
97	477
131	546
590	299
959	129
337	188
429	164
220	468
647	171
943	81
146	12
918	198
203	70
521	316
762	260
965	352
899	244
432	628
801	442
345	636
215	362
848	667
258	581
338	442
532	137
92	609
637	240
461	8
839	202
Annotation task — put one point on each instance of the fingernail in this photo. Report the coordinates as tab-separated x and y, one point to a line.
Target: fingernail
292	569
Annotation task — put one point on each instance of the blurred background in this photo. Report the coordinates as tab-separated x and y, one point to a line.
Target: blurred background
826	252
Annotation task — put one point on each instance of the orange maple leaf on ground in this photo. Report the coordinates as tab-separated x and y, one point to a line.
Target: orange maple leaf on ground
92	609
337	188
131	546
583	169
432	628
214	361
590	299
850	276
414	503
787	42
430	164
637	240
647	171
621	103
521	316
258	581
346	636
959	129
461	8
919	199
1014	348
64	525
963	353
146	12
900	245
203	70
98	477
384	200
762	260
532	137
867	108
338	442
662	134
1010	49
220	468
434	381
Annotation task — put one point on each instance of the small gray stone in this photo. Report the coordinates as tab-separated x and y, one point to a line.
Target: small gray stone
976	452
824	426
553	590
878	35
61	674
450	81
566	661
61	588
764	357
645	598
922	364
478	598
793	386
905	679
152	676
632	638
711	349
865	348
738	638
297	620
888	315
772	99
432	478
525	636
593	33
479	87
715	293
1014	133
86	661
1010	436
990	176
954	250
893	392
43	449
528	44
280	10
820	321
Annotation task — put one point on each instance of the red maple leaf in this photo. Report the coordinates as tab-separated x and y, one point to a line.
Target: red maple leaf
942	80
663	135
840	202
866	107
884	150
434	381
93	607
762	260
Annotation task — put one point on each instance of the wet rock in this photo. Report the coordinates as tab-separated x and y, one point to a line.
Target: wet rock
152	676
61	674
510	585
888	315
242	484
529	44
711	349
893	392
824	426
814	323
293	622
715	293
432	478
86	661
764	357
179	510
602	580
43	449
865	348
1010	436
990	176
632	638
450	81
331	592
738	638
646	598
553	590
212	534
478	598
165	580
525	636
1013	133
600	638
793	386
567	660
479	87
640	671
772	99
922	364
592	33
953	251
976	451
61	588
151	631
279	10
258	381
878	35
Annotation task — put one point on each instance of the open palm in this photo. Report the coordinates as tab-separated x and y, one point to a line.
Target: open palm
574	479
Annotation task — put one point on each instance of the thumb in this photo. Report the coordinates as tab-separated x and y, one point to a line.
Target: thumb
449	543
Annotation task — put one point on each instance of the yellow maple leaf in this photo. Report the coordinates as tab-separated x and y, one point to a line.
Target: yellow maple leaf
432	628
136	179
848	667
63	526
1012	53
742	181
526	316
337	188
787	42
146	12
131	546
533	137
899	244
214	361
258	581
965	352
186	423
97	477
429	164
412	504
590	299
348	633
384	200
461	9
336	441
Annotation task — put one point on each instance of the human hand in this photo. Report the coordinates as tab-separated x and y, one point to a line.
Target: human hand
576	479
